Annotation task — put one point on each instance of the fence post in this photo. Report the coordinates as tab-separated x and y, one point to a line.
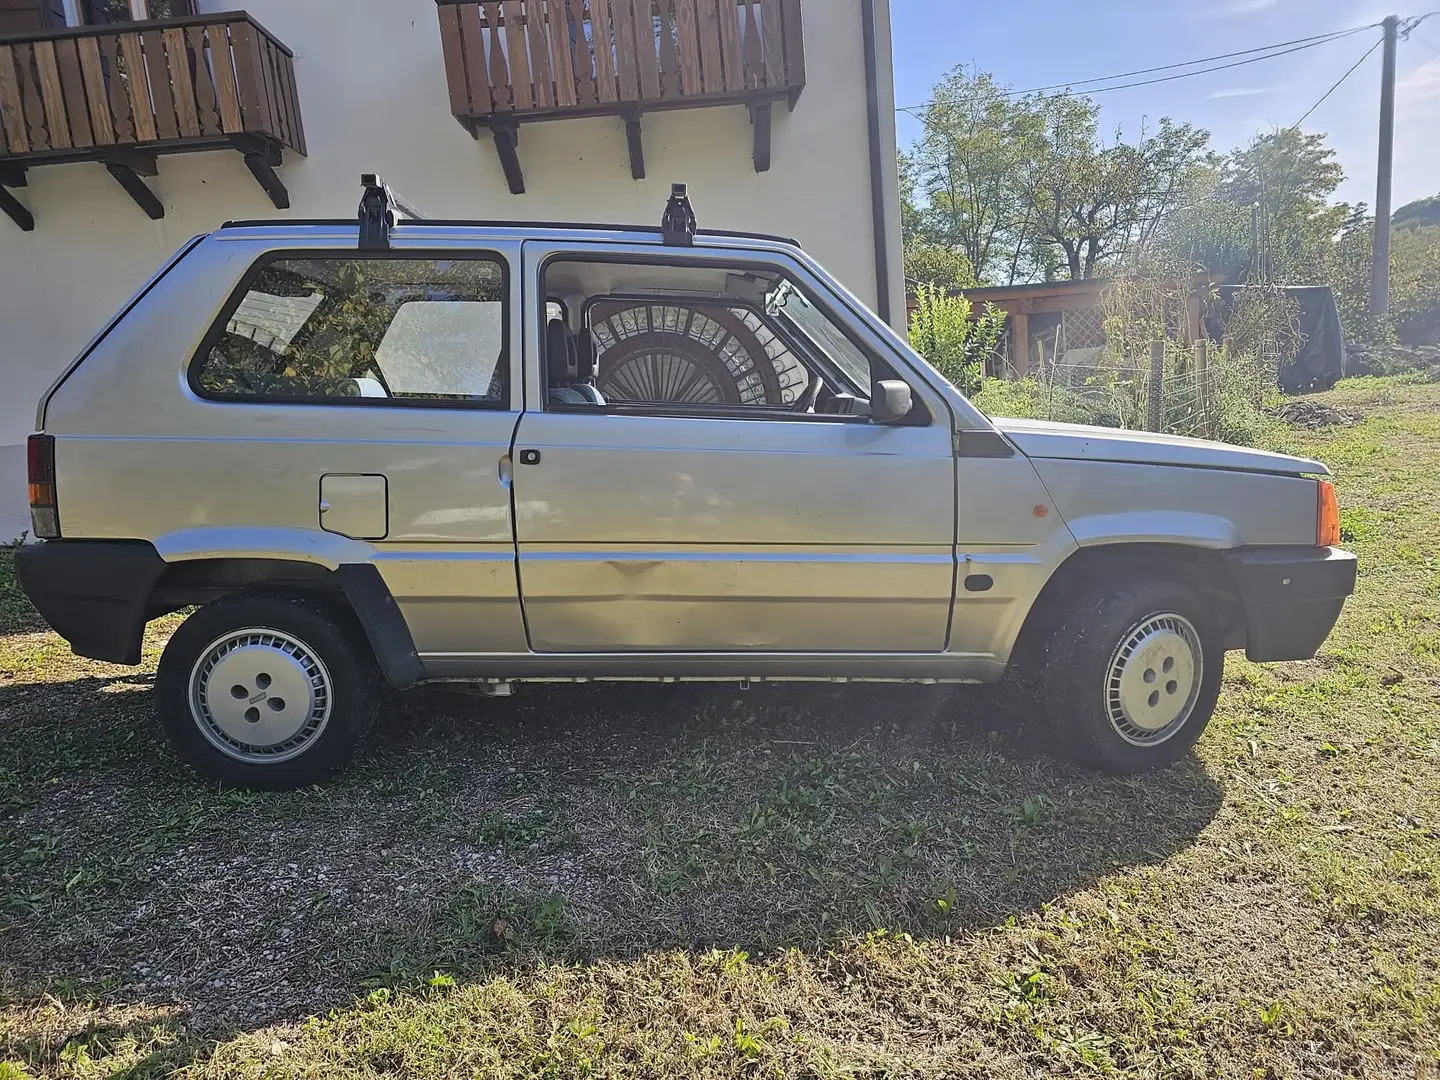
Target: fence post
1154	413
1202	383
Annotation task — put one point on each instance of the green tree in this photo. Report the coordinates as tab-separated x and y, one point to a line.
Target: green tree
936	264
1415	284
1095	203
967	166
1026	187
1209	232
1414	317
1288	177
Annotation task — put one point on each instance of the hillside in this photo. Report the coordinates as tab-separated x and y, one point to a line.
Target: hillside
1418	213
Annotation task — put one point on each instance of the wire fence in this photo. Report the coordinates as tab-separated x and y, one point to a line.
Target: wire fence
1203	390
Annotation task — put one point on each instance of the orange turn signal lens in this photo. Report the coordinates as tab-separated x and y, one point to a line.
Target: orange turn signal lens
1327	532
40	464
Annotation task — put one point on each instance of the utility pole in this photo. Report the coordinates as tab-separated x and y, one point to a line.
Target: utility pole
1380	268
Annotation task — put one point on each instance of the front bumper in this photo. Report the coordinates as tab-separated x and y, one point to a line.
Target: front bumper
1292	598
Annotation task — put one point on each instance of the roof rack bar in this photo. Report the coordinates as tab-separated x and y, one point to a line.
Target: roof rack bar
538	226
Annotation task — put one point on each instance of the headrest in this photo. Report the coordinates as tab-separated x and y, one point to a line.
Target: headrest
585	363
559	353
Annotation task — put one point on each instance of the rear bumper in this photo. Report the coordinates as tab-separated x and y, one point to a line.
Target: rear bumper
1292	598
93	593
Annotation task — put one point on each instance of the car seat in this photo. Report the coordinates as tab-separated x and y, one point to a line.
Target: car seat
570	382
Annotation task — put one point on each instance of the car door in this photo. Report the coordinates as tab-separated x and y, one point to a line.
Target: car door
662	527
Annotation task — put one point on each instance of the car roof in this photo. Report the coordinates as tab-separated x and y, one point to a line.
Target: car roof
528	230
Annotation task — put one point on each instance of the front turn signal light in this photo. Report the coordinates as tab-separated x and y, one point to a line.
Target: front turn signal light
1327	531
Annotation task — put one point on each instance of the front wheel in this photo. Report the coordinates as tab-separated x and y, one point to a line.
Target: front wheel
265	692
1134	674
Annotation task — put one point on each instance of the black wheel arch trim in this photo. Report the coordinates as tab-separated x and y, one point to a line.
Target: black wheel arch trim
384	624
99	594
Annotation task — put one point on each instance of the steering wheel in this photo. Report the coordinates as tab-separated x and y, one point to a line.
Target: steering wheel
805	403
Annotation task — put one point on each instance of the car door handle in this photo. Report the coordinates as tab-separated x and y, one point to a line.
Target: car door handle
529	457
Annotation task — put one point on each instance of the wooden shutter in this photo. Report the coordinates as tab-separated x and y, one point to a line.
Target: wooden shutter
20	16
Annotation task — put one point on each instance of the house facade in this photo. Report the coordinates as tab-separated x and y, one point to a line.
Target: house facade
129	126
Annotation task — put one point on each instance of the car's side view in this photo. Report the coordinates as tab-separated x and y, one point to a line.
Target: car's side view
417	451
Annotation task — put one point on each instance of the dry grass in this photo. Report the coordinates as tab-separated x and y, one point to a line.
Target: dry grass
644	882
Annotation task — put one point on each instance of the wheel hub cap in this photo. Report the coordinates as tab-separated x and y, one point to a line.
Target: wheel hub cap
260	696
1154	679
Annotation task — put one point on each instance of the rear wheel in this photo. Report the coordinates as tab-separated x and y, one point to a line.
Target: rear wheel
265	692
1133	674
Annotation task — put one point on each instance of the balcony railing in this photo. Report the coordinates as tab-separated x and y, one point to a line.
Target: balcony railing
515	61
122	94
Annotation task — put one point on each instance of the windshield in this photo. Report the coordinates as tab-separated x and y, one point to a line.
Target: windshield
788	304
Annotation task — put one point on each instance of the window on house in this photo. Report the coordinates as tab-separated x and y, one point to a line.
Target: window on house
24	16
707	339
408	331
95	12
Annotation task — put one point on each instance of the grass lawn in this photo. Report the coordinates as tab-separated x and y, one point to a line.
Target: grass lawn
869	882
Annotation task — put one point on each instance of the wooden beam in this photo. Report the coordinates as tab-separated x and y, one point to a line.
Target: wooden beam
1194	312
262	158
1020	343
137	161
507	139
262	167
760	117
136	189
16	211
636	144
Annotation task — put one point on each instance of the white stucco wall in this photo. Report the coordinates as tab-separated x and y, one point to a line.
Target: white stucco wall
373	96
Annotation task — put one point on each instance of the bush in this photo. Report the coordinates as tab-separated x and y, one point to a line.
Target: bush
1024	398
946	331
1236	413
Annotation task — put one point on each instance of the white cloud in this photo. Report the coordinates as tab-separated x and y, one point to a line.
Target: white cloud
1245	7
1237	92
1422	84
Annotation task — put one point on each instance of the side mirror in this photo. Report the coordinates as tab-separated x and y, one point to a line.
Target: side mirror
890	402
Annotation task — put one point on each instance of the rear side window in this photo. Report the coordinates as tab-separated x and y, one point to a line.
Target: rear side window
367	331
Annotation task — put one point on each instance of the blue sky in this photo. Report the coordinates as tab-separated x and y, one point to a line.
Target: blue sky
1030	43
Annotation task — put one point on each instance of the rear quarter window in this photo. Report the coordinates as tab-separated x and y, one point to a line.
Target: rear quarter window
402	331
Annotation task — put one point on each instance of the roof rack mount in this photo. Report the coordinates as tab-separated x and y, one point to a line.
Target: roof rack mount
380	211
679	225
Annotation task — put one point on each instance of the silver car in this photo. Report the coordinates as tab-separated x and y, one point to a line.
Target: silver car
404	452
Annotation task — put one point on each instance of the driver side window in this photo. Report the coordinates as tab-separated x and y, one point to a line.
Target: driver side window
695	340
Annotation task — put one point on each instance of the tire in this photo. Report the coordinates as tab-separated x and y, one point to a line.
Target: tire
1116	686
266	692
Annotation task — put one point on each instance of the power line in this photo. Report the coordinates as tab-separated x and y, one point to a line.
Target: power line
1308	43
1337	85
1270	51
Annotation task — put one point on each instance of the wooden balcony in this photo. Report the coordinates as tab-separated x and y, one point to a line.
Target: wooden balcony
125	93
521	61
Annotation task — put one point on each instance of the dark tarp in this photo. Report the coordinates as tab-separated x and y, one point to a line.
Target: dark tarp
1321	361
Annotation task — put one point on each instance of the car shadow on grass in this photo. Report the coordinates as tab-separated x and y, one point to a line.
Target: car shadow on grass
565	824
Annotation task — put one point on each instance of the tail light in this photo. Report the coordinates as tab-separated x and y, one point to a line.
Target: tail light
44	510
1327	530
